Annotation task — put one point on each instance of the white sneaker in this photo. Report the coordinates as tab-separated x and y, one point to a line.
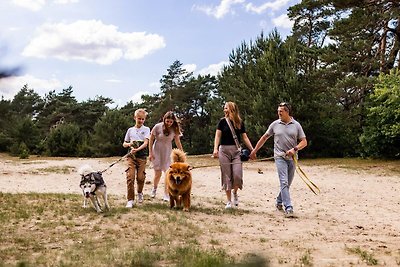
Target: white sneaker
130	204
235	199
228	205
153	192
166	198
140	197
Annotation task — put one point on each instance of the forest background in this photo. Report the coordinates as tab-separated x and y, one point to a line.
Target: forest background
339	69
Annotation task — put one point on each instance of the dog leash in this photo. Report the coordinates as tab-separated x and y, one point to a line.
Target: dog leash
115	162
312	186
232	163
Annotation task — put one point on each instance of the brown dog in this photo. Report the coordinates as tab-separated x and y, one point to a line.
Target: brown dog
179	180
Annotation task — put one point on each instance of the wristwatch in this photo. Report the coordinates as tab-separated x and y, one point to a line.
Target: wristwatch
295	148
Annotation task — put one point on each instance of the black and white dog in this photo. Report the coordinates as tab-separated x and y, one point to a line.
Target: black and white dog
93	186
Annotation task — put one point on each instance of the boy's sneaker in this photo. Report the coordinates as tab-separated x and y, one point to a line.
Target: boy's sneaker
153	192
130	204
235	199
289	213
279	207
140	197
166	198
228	205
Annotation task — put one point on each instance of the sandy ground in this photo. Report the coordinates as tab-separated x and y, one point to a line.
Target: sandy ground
356	209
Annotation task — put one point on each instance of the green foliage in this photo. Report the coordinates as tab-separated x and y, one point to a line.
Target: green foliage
20	149
64	140
109	133
381	135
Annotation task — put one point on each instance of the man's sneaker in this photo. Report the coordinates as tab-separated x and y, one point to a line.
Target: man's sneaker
289	213
140	197
279	207
228	205
130	204
153	192
166	198
235	199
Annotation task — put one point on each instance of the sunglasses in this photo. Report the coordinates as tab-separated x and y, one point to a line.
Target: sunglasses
284	104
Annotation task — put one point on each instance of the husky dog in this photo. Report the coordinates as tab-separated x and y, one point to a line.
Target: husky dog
93	186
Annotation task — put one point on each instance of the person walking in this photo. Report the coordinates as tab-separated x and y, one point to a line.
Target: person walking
227	151
289	138
136	139
160	148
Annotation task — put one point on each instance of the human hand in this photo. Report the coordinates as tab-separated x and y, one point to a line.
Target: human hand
215	153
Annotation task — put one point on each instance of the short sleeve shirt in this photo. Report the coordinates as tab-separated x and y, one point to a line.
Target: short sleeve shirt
285	135
139	135
226	134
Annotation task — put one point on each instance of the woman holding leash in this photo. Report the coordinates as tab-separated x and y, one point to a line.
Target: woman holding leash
227	151
160	147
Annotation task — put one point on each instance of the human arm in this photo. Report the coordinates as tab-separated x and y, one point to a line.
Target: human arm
247	142
151	142
259	144
217	141
302	144
142	146
178	143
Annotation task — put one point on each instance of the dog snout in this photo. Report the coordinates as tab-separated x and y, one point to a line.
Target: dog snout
178	180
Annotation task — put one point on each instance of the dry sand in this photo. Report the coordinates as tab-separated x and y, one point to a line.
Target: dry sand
356	208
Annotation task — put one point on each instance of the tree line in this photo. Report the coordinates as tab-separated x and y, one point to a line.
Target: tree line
339	69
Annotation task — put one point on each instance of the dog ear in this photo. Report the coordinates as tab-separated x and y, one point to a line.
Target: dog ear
189	168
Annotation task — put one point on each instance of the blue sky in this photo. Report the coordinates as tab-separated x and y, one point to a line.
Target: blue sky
121	48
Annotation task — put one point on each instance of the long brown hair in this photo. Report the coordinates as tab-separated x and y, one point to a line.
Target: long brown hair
175	125
234	115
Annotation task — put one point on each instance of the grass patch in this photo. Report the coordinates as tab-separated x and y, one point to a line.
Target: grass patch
53	229
368	258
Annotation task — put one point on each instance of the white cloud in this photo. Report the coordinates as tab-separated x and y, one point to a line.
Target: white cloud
34	5
64	2
221	10
189	67
12	85
213	69
274	5
283	21
91	41
137	98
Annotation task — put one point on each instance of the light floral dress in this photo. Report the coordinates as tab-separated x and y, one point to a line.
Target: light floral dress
162	147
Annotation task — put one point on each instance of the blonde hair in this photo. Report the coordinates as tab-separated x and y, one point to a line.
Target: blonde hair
140	110
234	115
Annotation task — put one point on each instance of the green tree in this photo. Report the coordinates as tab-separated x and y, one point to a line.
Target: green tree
64	140
109	133
381	135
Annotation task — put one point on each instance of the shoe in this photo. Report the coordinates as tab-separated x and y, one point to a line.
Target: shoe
289	213
153	192
166	198
235	199
140	197
130	204
279	207
228	205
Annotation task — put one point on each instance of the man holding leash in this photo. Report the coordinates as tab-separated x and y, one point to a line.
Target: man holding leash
137	139
287	132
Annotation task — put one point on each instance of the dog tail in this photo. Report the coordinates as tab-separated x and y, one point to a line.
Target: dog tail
178	155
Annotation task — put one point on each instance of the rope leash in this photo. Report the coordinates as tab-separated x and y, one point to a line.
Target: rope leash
115	162
232	163
312	186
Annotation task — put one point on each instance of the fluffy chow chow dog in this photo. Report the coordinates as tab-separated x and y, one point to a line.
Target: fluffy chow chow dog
179	180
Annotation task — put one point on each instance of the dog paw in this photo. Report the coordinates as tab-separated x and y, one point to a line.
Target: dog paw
186	209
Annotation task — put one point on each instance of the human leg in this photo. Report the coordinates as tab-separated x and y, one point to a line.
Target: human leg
225	160
283	197
141	176
130	179
157	176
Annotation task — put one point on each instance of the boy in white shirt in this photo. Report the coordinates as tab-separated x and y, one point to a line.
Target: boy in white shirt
137	139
